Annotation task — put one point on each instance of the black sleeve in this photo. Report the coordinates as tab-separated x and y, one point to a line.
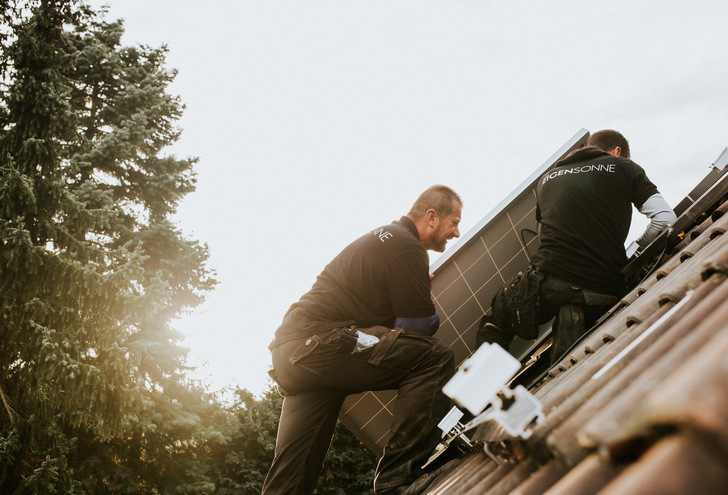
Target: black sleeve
642	188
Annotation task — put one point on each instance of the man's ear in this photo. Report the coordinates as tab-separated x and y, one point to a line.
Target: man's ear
431	216
617	151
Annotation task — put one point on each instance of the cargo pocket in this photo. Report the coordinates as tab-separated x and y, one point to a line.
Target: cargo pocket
522	300
382	348
304	349
316	356
524	316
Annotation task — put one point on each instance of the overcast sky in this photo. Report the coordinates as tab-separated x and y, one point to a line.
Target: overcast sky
317	120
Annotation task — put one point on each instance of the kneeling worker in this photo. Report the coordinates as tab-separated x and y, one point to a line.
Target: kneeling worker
366	324
584	210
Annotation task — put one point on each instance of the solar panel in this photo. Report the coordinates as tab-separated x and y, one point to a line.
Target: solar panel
466	278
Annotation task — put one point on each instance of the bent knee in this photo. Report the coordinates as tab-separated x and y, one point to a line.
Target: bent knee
445	355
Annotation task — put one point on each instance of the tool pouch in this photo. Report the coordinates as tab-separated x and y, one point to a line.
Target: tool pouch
515	305
346	341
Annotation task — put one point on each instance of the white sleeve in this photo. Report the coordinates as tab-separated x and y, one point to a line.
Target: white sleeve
660	214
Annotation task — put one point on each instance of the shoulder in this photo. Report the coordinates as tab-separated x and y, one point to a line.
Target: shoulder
385	242
580	155
399	232
632	168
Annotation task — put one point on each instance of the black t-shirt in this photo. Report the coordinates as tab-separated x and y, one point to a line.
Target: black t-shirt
585	210
381	276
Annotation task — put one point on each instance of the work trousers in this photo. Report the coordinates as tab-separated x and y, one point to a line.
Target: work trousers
315	376
576	310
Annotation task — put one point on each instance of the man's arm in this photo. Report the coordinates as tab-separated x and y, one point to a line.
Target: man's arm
660	214
426	325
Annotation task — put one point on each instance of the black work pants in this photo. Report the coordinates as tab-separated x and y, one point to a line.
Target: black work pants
314	377
554	294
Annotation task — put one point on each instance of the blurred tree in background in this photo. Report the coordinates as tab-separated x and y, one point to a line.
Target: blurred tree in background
95	396
92	271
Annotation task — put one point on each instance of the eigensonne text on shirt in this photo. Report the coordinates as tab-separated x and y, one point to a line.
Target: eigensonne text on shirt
609	168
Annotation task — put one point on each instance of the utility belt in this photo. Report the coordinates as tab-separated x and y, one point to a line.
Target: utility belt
516	305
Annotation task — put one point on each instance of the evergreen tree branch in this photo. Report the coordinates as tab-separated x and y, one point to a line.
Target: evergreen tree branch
7	406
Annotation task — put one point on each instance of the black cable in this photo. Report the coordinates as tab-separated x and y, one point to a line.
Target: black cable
523	240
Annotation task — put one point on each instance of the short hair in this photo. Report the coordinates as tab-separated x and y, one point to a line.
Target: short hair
439	198
608	140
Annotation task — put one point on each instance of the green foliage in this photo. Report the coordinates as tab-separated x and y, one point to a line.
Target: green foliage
94	397
165	451
92	272
348	467
243	461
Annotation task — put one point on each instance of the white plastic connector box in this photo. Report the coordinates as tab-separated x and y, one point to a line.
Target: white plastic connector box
450	421
481	377
523	410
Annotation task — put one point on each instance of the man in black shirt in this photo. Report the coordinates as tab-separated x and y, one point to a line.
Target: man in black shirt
584	210
366	324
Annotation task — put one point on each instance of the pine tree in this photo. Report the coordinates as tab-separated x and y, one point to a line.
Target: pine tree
93	395
92	271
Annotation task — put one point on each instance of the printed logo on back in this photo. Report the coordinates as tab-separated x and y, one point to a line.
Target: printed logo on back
609	168
382	234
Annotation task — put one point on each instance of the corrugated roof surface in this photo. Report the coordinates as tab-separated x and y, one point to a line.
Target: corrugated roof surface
640	405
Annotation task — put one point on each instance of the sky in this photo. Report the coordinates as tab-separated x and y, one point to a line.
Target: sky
317	120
